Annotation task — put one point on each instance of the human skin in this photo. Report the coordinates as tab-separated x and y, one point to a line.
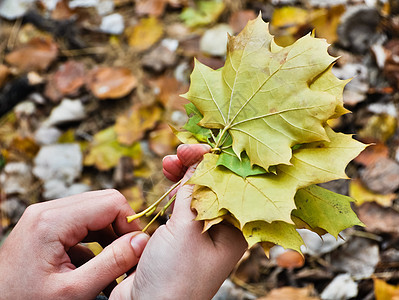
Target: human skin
42	257
180	261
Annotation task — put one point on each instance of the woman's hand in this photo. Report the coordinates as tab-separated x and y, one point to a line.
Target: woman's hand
42	257
181	262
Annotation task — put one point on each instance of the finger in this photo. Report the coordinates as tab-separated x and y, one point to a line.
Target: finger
173	166
73	217
79	255
182	205
112	262
170	176
190	154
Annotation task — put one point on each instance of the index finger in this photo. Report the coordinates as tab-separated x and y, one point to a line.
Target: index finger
75	216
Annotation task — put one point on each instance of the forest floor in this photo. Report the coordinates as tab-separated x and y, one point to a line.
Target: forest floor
88	88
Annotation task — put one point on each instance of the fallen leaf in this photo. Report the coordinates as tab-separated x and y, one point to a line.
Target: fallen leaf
134	196
239	19
170	90
162	141
105	151
70	77
154	8
145	34
378	219
384	290
325	21
4	72
131	127
361	194
62	11
291	293
204	13
372	153
382	176
358	258
290	259
111	82
36	55
379	128
286	21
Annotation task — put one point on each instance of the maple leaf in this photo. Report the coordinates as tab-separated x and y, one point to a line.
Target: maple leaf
268	98
321	208
270	197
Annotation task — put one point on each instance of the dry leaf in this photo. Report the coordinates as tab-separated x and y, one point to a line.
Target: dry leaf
105	152
36	55
154	8
290	259
132	127
4	72
70	77
361	194
379	219
239	19
372	153
385	291
291	293
111	82
145	34
163	141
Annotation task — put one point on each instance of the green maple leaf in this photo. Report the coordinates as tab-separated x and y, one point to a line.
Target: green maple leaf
200	133
268	98
321	208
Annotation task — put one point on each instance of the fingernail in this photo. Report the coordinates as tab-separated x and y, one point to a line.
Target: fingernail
138	243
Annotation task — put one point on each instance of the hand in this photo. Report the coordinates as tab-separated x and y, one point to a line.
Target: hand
181	262
41	258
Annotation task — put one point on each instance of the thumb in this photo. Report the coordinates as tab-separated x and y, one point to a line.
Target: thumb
115	260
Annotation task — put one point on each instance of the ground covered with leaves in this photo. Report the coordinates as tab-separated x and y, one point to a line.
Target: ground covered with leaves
89	88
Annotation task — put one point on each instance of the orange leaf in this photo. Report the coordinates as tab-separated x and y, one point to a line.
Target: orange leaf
385	291
290	259
70	77
36	55
4	72
108	82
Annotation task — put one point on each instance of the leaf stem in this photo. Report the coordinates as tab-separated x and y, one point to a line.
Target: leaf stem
160	213
154	205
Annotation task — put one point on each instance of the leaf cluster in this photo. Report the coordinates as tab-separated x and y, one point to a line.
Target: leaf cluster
265	116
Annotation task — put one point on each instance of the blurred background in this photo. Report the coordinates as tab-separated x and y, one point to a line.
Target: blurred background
88	89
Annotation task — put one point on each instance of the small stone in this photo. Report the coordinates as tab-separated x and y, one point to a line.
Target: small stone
342	287
162	57
105	7
47	135
316	246
381	177
13	9
83	3
112	24
16	178
214	40
13	209
59	161
54	189
67	111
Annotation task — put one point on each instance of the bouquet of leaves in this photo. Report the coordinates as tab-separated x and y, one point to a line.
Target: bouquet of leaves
265	116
